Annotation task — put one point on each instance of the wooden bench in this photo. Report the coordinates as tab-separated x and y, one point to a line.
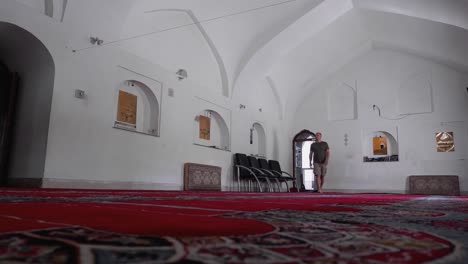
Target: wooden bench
434	184
200	177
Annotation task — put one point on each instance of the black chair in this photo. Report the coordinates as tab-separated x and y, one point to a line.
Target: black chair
254	165
275	166
280	177
243	172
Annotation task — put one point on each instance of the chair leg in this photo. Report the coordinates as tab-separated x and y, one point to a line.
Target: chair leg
269	185
278	184
295	183
258	184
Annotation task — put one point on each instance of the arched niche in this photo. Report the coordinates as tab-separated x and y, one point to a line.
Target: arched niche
137	108
210	130
258	140
380	146
342	103
415	94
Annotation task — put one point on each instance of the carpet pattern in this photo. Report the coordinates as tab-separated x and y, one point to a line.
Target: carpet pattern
77	226
200	177
434	184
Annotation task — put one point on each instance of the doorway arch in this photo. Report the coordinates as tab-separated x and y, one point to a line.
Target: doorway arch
301	148
26	55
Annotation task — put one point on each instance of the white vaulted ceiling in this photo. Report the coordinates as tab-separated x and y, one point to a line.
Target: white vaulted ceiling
291	45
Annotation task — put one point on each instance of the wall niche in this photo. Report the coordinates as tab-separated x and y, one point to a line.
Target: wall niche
137	108
210	130
258	140
380	146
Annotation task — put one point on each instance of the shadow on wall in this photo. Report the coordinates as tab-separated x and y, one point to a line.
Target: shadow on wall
275	149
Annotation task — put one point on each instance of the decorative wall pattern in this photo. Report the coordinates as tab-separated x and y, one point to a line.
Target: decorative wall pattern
199	177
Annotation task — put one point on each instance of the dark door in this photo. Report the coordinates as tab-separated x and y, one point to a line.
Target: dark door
8	88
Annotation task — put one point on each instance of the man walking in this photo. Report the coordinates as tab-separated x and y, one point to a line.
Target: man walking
319	155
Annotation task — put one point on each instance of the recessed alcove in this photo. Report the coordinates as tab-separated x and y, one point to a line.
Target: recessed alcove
210	130
380	146
258	140
137	108
415	94
342	103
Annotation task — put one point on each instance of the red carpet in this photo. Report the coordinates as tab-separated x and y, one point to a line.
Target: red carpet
101	226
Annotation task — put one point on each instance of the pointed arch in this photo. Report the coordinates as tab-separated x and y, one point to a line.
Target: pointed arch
262	59
214	50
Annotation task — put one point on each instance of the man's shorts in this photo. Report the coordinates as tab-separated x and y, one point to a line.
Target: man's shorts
320	169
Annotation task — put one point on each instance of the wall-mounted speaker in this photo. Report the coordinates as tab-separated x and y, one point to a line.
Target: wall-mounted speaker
80	94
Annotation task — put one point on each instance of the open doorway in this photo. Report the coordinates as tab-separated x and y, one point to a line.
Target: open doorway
302	169
8	88
25	106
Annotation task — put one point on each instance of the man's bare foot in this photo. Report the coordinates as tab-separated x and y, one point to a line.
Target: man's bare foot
320	191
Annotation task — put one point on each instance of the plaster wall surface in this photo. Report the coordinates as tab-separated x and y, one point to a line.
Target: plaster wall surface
83	148
378	74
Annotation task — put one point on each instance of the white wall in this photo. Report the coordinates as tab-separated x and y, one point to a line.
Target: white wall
378	75
83	148
259	95
184	48
86	151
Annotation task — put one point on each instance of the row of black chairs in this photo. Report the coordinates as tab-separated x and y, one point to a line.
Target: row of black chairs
260	172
